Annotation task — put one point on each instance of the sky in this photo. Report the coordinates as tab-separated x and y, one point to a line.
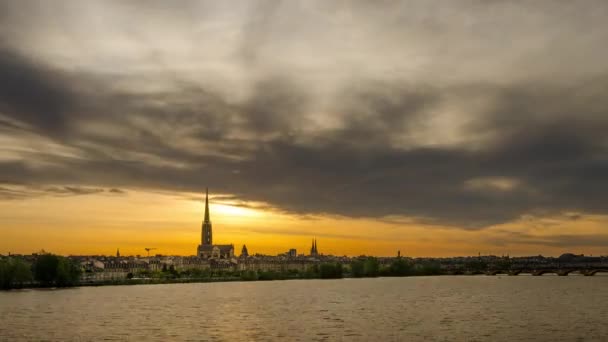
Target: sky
434	128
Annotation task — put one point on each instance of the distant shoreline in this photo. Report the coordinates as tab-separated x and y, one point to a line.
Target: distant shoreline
152	281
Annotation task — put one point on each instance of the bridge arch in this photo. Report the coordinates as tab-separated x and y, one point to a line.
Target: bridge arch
595	271
541	272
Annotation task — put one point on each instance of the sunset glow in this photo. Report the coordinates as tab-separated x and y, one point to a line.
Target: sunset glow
430	129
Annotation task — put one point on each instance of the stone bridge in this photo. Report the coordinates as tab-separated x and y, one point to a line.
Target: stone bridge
586	271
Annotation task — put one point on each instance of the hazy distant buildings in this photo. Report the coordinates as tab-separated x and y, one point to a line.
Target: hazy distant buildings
244	251
207	249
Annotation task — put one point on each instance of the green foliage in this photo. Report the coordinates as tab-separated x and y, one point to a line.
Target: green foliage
313	271
385	271
45	269
400	268
356	268
371	267
22	272
366	267
54	270
196	273
330	271
144	274
271	275
503	264
249	275
477	265
427	268
14	273
171	273
266	275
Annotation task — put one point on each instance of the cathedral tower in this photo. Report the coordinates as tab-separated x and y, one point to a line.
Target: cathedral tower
313	250
207	232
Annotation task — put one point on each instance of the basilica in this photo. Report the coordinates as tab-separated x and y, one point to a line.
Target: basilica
207	249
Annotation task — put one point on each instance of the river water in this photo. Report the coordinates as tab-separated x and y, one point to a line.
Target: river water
445	308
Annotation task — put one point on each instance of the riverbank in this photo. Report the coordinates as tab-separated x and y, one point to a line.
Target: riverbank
158	281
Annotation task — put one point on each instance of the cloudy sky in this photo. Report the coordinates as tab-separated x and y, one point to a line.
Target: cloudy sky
430	127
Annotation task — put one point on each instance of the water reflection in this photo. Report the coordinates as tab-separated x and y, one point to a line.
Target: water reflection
418	308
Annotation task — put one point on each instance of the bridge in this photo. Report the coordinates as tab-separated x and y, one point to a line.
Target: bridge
586	271
535	265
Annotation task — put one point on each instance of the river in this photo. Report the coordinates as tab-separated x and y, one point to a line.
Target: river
441	308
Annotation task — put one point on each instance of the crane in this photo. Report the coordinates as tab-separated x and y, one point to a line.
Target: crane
148	249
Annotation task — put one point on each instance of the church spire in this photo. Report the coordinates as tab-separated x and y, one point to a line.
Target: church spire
207	205
313	248
206	231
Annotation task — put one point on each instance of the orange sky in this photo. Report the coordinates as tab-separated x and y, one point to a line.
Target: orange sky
100	223
317	108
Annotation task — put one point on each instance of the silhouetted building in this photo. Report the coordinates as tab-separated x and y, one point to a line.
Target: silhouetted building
292	253
313	250
206	229
117	253
244	252
207	249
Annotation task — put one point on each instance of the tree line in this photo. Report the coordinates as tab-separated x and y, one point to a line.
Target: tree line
399	267
47	270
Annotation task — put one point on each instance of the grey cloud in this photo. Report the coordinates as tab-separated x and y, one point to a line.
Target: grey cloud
33	94
72	190
117	191
559	240
16	191
355	151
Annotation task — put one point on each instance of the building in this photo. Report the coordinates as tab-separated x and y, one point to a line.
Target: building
244	252
207	249
313	250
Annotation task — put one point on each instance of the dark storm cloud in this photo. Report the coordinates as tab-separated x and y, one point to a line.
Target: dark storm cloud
32	93
353	171
369	150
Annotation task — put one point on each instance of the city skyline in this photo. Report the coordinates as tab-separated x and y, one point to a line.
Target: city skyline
436	129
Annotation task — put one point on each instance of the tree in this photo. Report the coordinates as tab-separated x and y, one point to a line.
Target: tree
22	272
249	275
174	273
356	268
428	268
14	272
45	269
330	270
56	270
371	267
477	265
400	267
